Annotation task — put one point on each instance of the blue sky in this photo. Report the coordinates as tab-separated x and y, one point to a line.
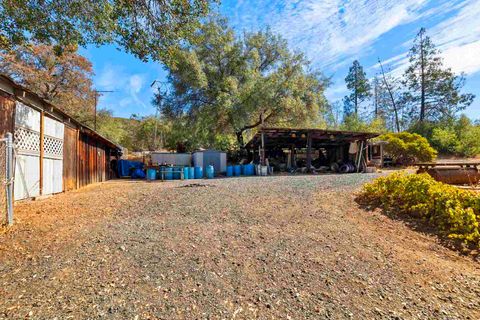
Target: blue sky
331	33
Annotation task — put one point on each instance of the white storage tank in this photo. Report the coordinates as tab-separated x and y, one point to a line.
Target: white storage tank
204	158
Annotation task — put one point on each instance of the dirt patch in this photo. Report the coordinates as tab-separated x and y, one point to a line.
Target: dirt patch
260	247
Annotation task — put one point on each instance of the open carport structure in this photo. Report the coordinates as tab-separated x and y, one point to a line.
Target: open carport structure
335	146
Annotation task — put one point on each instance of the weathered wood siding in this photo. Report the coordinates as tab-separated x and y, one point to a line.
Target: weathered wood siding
93	159
54	152
70	159
7	116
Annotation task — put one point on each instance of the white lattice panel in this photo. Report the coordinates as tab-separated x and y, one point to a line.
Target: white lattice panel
53	147
27	141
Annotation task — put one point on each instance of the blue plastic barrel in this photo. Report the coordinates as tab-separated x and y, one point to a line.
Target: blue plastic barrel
186	173
237	170
198	172
210	172
249	169
191	173
151	174
243	168
177	174
229	171
168	173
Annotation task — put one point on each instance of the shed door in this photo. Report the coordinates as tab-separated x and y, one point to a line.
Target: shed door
27	146
53	156
70	159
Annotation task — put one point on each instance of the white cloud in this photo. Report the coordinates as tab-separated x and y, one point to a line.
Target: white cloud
457	37
136	83
331	31
125	102
465	58
127	87
110	78
336	92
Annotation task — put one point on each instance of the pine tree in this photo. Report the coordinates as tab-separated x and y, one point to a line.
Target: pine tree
433	91
359	86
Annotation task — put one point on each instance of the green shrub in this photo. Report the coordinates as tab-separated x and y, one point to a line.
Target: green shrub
454	136
455	213
355	123
407	148
469	142
444	140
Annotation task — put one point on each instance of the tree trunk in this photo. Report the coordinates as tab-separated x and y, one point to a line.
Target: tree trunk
356	92
240	140
397	122
239	132
422	75
390	93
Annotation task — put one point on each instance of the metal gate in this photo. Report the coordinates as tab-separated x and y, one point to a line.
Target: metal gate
6	179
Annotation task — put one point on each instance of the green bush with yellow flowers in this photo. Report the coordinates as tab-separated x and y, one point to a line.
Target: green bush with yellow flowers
453	212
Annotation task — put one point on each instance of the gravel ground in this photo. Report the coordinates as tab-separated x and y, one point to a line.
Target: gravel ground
241	248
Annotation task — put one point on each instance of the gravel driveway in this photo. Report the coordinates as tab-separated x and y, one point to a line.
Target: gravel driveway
240	248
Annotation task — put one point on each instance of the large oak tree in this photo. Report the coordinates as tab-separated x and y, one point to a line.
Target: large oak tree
224	85
145	28
65	80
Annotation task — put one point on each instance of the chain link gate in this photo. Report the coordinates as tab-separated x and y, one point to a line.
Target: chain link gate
6	179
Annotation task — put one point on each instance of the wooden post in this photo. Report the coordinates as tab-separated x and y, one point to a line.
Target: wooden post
42	135
360	155
367	151
77	158
292	156
9	177
381	155
262	154
309	152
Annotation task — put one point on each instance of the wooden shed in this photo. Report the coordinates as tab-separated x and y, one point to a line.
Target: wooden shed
53	151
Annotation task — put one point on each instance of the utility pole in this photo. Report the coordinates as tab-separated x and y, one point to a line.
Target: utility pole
96	96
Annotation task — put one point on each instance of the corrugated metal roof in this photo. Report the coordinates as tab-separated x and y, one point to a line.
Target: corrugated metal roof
285	137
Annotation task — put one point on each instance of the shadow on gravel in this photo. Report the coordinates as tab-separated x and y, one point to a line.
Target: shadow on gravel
419	225
196	185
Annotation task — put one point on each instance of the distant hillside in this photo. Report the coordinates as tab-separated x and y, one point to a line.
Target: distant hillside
135	134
